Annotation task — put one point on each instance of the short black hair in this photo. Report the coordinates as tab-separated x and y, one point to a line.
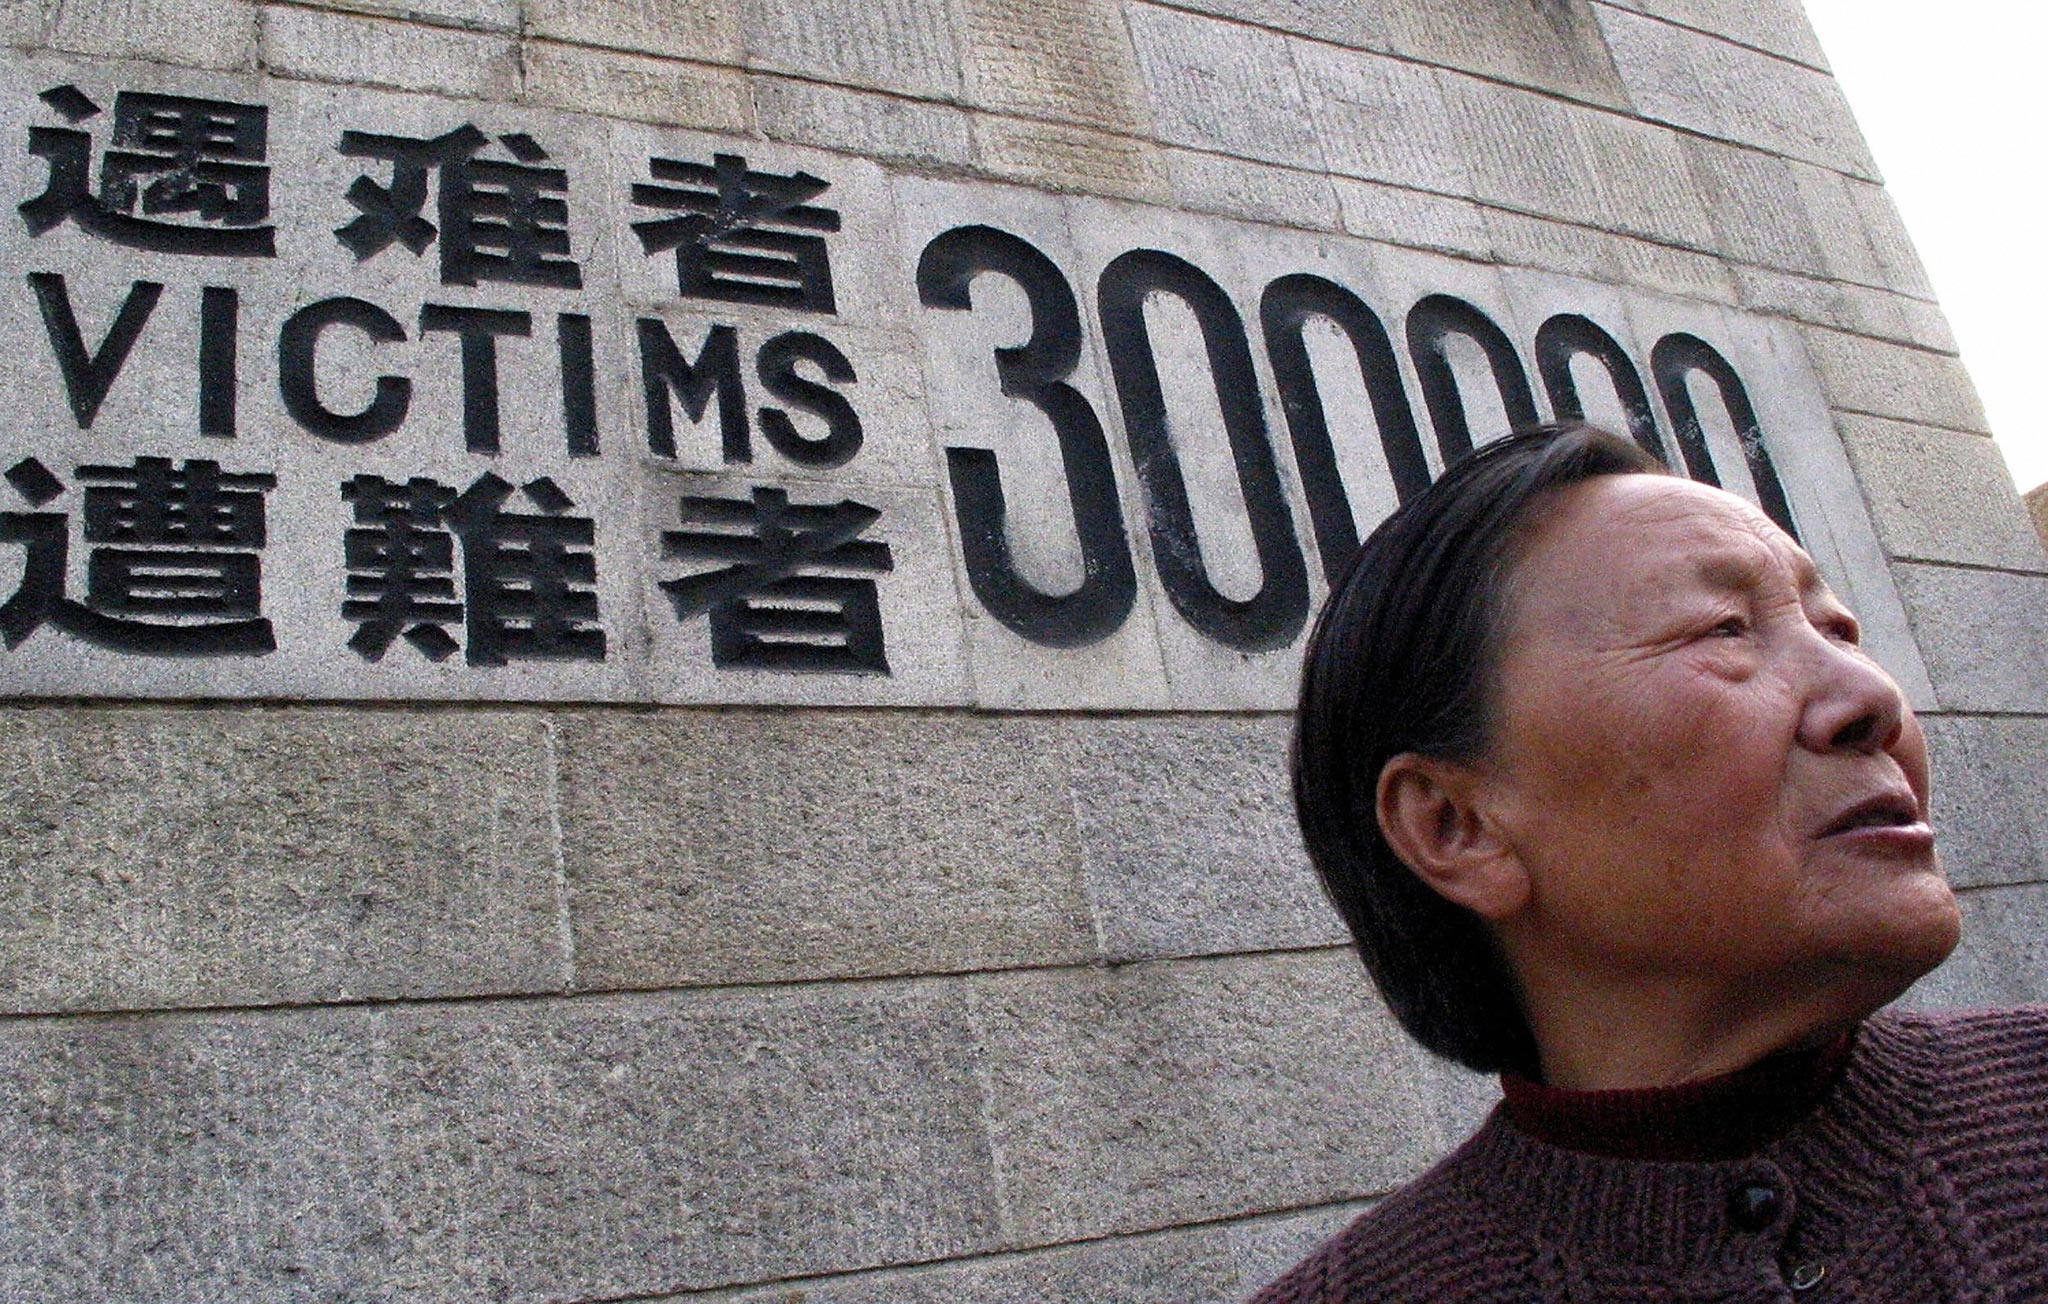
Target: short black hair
1401	660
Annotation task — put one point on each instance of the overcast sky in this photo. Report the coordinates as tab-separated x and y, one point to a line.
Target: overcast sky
1951	98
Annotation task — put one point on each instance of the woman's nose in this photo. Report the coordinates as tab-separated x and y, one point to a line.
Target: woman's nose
1853	705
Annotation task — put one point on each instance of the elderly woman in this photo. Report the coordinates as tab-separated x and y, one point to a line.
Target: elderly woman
1592	765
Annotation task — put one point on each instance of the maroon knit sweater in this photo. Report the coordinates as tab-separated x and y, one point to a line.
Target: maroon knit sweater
1922	1178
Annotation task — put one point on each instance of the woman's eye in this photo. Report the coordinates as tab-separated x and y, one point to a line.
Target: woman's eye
1733	627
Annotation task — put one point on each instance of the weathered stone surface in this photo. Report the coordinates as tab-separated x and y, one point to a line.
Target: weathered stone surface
1776	26
1525	241
1381	119
26	23
333	47
709	32
628	1146
1358	23
2003	958
181	857
1704	84
1940	495
629	86
903	46
1140	1097
1890	380
236	1159
202	33
1898	263
1857	309
582	1150
1754	205
1268	1247
1223	86
1539	155
1552	46
488	15
1069	60
1216	183
1061	156
880	126
751	846
1193	1266
1990	797
1413	218
1188	836
1984	634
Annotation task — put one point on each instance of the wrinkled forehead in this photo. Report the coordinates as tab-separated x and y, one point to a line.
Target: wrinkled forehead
1625	542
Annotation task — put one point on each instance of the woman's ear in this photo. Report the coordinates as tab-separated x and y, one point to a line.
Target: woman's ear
1433	814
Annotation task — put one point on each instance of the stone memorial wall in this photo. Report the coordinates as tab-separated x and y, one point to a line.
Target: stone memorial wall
646	646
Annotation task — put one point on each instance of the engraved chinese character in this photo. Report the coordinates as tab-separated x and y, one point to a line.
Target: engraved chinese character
766	612
401	566
495	220
180	175
526	576
744	237
172	569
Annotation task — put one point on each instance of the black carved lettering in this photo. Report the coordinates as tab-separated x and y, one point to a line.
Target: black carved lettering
1271	617
1430	323
768	610
579	383
297	347
1673	362
219	311
1567	336
1284	310
665	373
478	329
776	365
89	374
1035	371
726	239
171	567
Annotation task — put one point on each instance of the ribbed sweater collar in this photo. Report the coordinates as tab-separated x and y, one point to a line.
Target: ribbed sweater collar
1675	1214
1714	1119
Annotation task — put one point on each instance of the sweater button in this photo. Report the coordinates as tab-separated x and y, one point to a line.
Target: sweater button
1752	1206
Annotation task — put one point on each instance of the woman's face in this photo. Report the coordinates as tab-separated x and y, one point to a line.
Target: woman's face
1707	779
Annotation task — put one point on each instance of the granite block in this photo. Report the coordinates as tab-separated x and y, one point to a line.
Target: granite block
879	126
235	1159
333	47
746	846
1940	495
1984	634
1257	192
1064	156
1066	60
1712	86
906	47
706	32
1188	835
1133	1098
2003	957
629	86
1555	47
1382	119
1890	380
234	857
198	33
631	1146
1778	27
1990	797
1223	86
